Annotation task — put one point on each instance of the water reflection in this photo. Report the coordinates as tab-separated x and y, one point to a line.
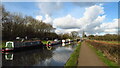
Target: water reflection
27	58
56	56
8	56
49	47
63	44
69	42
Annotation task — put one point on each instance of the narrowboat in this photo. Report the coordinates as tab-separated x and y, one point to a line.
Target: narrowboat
16	45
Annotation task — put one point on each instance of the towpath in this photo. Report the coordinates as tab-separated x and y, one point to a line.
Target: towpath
87	57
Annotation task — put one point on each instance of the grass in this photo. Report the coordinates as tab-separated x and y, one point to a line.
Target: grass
108	62
2	45
74	57
44	42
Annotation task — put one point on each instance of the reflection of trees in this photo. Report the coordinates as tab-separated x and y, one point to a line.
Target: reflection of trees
28	58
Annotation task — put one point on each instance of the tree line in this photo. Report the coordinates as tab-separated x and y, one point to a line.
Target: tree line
106	37
17	25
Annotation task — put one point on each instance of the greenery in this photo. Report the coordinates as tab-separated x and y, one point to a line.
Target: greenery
74	57
104	59
2	45
44	42
17	25
74	34
107	37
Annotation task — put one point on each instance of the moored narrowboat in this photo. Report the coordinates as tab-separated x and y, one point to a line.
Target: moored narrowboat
10	45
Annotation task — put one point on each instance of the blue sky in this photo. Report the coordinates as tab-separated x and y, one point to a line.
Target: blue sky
26	8
58	10
111	10
31	9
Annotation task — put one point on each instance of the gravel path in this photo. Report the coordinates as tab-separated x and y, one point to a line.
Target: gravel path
88	57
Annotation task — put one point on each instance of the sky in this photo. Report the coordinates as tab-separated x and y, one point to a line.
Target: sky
92	17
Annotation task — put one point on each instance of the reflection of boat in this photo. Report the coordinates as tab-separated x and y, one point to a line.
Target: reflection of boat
63	44
57	56
8	56
66	42
49	47
20	45
69	42
54	43
25	58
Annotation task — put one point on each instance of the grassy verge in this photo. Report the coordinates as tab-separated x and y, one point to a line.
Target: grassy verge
2	45
108	62
44	42
74	57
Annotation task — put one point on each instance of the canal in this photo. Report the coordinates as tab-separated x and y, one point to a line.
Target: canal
55	56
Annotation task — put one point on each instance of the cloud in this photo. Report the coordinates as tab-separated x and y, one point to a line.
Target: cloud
60	0
91	28
93	12
67	22
92	18
39	18
92	22
59	31
49	7
48	19
110	27
84	4
54	7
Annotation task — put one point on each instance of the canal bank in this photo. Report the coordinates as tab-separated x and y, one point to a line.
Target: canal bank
73	60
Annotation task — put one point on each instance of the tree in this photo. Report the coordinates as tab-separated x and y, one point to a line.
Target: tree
16	25
74	34
91	36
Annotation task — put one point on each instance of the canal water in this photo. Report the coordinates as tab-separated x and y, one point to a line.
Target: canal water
55	56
